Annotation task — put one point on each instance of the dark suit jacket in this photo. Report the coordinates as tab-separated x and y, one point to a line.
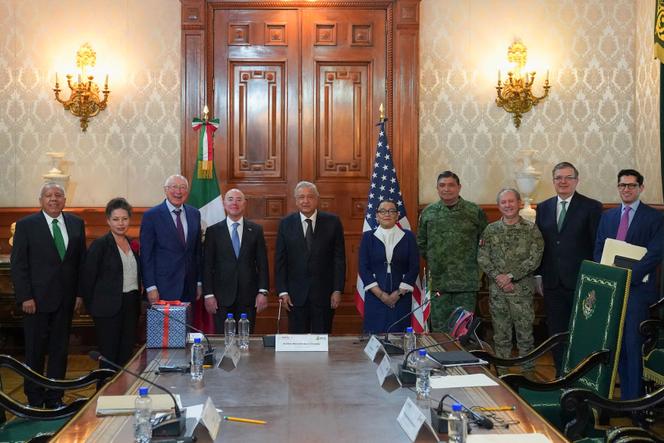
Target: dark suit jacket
37	271
647	230
565	250
310	275
101	281
232	278
166	263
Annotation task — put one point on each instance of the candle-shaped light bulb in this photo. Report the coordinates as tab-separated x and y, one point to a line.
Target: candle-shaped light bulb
56	80
499	75
106	82
79	78
547	76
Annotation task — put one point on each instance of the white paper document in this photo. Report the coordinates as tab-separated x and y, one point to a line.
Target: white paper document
461	381
508	438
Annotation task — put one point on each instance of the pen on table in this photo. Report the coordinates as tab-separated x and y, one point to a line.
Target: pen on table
497	408
244	420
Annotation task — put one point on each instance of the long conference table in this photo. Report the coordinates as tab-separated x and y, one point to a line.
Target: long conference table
329	396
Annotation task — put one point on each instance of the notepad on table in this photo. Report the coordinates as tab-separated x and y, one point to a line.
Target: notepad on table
124	404
456	358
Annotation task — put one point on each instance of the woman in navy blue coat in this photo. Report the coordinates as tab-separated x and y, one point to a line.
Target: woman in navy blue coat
389	264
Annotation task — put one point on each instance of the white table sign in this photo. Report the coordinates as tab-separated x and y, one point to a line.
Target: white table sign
372	348
211	418
410	419
301	342
232	353
384	369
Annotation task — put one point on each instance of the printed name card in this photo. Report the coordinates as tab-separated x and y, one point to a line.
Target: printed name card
232	354
411	419
372	348
384	369
301	342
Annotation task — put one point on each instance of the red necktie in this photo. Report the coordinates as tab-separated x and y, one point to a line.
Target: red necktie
624	224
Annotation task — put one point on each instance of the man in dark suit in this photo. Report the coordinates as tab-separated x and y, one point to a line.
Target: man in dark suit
310	263
171	246
638	224
568	222
49	249
235	271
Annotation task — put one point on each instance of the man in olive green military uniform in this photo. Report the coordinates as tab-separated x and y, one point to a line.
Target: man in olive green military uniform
447	237
510	252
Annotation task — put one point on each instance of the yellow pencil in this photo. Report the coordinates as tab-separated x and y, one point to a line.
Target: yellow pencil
245	420
498	408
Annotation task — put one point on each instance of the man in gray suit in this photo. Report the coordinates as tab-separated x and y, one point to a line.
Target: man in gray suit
235	269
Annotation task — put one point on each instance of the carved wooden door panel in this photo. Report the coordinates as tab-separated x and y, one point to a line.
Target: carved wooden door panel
297	92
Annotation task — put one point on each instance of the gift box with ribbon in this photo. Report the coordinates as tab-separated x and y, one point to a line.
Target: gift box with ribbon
166	324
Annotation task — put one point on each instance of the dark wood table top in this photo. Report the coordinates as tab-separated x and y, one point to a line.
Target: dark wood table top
303	396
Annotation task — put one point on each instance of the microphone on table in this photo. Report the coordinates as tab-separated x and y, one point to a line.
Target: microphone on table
208	359
481	420
269	340
390	347
407	376
169	426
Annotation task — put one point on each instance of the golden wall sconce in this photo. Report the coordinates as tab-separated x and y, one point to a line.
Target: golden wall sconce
84	101
516	95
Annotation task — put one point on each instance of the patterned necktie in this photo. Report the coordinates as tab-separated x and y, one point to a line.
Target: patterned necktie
309	234
58	239
561	216
624	224
235	238
178	226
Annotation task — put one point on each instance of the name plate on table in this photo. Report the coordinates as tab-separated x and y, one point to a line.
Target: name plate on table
232	354
411	418
301	342
372	348
384	369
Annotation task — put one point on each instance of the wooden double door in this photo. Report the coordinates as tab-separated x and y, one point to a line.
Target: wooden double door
297	90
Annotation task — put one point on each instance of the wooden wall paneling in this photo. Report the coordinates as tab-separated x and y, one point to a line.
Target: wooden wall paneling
193	78
404	140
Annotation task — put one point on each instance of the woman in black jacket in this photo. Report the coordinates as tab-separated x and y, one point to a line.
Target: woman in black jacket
111	279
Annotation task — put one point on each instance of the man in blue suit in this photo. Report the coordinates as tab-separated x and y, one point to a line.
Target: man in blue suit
641	225
171	246
568	222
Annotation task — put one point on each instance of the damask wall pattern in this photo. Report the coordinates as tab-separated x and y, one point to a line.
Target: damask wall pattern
647	71
130	147
596	115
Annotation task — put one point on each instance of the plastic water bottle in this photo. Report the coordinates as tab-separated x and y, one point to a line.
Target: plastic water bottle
422	384
142	415
229	330
243	331
410	343
457	425
197	356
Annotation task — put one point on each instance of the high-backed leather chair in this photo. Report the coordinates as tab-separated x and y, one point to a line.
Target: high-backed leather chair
653	346
593	343
30	423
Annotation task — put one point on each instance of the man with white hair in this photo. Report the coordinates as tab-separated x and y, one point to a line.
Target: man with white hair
48	252
310	263
171	246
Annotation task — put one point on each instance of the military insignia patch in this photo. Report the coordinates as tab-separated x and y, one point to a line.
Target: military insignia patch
589	304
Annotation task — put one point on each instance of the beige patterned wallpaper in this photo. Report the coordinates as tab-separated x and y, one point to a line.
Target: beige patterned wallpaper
128	149
601	114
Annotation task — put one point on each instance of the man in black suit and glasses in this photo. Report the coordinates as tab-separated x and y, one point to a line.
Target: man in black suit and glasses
48	251
310	263
235	269
568	222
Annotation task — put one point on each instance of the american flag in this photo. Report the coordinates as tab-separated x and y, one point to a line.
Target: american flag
385	185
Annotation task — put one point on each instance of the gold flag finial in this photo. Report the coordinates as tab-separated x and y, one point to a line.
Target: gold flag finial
206	111
381	109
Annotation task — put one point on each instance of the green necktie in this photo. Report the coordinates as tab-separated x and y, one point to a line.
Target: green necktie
59	239
563	213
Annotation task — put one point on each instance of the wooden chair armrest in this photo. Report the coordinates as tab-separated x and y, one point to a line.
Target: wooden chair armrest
545	347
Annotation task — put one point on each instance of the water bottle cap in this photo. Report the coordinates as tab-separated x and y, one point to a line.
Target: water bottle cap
143	391
409	330
197	340
456	407
243	315
423	353
229	315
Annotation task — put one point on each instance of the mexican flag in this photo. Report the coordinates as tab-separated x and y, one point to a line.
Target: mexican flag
205	196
